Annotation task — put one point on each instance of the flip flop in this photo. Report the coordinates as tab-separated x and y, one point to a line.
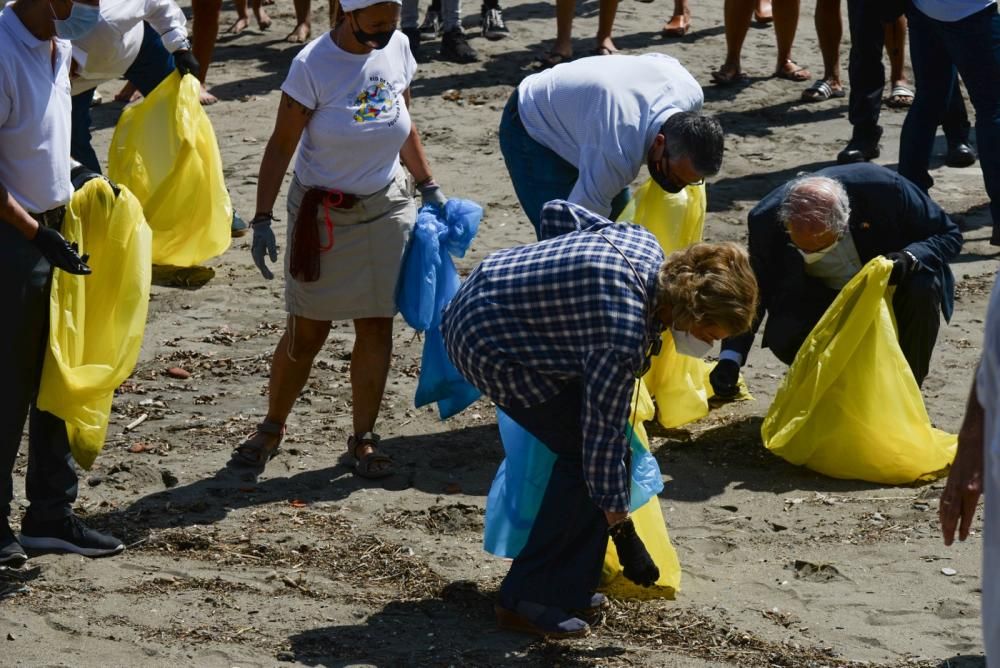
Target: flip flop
602	51
720	78
680	31
821	90
553	58
797	75
901	97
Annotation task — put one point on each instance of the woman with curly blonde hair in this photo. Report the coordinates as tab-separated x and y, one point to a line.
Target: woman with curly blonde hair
556	333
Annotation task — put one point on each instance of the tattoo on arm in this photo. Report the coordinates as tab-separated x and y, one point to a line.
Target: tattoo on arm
292	103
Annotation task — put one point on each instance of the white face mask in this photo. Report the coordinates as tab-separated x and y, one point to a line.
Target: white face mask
816	256
688	344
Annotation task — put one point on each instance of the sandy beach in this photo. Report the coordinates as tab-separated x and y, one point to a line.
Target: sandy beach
309	565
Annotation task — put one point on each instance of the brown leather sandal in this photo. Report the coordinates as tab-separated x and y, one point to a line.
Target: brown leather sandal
374	465
256	452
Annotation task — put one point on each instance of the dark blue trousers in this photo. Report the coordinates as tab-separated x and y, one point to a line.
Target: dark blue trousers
938	49
866	20
560	565
51	482
152	65
538	173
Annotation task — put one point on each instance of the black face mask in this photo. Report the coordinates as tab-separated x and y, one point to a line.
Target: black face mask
376	40
663	180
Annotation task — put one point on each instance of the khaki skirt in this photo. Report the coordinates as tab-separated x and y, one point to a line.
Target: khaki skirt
359	271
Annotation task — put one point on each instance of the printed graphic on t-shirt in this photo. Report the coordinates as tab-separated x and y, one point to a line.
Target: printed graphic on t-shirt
376	102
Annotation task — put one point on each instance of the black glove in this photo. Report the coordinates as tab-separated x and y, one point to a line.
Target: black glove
59	252
264	244
81	175
636	563
725	379
186	63
902	265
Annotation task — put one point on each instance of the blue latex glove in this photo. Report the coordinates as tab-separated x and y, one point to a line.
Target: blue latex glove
264	245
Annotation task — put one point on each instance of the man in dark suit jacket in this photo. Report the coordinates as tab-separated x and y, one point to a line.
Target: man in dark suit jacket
808	237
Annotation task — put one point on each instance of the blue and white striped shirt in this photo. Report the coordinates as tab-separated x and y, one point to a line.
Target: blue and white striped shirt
531	319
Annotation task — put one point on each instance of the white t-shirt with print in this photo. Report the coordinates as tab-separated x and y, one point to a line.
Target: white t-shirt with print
360	120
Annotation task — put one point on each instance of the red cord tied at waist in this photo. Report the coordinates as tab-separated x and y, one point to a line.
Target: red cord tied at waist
306	245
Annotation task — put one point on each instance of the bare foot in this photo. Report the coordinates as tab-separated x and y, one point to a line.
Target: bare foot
300	34
763	13
206	98
126	93
792	72
241	24
263	20
677	26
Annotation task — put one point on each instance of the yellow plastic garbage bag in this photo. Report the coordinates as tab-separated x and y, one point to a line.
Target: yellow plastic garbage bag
849	406
652	529
164	151
677	382
96	321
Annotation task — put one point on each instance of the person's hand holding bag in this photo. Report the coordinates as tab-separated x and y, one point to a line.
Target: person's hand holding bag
636	563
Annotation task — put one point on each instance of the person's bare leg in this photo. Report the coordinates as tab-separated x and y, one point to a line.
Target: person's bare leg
290	367
680	22
738	14
303	22
263	20
204	33
786	22
605	25
565	11
370	360
895	48
829	31
763	12
242	18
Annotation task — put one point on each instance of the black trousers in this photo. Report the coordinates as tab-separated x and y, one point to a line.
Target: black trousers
866	21
916	305
51	481
560	565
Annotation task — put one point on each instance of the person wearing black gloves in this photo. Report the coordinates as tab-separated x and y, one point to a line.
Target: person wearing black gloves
35	188
808	238
559	343
142	41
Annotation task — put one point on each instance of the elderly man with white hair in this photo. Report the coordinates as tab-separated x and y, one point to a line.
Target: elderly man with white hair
809	237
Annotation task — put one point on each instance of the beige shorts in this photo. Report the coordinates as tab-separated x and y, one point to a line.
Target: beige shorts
358	274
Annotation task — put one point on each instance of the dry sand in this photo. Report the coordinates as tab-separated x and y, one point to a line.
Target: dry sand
308	564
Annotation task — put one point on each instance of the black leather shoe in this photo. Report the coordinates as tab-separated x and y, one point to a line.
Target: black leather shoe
860	150
960	154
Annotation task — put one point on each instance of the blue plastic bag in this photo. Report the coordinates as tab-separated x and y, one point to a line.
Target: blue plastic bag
517	490
519	486
419	276
429	281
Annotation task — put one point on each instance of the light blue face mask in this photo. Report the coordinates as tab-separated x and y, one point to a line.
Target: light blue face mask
81	20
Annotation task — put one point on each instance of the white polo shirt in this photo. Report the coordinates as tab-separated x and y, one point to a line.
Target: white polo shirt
35	117
601	114
112	46
949	11
988	392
